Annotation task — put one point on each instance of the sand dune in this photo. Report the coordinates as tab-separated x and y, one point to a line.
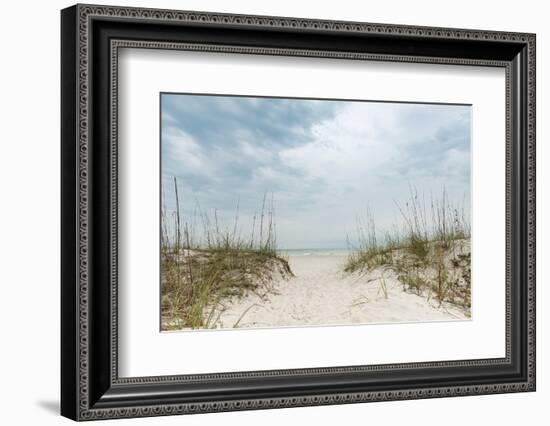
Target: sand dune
321	294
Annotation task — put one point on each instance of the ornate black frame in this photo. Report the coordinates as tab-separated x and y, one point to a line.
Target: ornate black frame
91	37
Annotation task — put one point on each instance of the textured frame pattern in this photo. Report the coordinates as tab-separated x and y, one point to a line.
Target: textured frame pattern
118	44
86	13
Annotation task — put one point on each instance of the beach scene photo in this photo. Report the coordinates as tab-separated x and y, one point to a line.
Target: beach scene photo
293	212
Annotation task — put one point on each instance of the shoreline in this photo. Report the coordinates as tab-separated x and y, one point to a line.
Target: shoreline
313	252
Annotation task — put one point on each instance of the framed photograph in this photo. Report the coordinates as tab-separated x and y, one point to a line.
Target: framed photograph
263	212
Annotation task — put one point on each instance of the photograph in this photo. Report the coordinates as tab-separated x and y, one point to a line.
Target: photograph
293	212
264	209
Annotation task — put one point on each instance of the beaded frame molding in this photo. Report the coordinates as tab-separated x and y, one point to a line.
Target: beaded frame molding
91	39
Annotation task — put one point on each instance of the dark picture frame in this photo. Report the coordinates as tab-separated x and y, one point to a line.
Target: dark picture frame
90	38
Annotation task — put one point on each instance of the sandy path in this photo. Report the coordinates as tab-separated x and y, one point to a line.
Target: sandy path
321	294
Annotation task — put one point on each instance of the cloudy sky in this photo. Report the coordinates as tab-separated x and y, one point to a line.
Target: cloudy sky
324	161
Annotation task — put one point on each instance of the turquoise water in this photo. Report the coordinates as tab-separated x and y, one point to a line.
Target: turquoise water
314	252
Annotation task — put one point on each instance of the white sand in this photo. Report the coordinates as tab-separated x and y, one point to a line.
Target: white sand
321	294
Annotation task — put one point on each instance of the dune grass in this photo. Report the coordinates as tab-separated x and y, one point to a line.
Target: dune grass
430	254
199	268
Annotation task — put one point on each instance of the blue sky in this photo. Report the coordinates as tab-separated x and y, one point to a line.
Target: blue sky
324	161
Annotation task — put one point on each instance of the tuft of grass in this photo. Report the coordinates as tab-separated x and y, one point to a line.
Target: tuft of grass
383	286
204	262
413	281
440	285
369	253
430	254
418	247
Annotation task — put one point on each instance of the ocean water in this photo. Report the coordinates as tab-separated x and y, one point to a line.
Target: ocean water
314	252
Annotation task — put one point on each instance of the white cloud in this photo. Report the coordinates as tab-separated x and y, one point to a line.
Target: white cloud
183	152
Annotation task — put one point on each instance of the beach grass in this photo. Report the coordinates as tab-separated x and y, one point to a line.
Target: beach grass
430	254
201	268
